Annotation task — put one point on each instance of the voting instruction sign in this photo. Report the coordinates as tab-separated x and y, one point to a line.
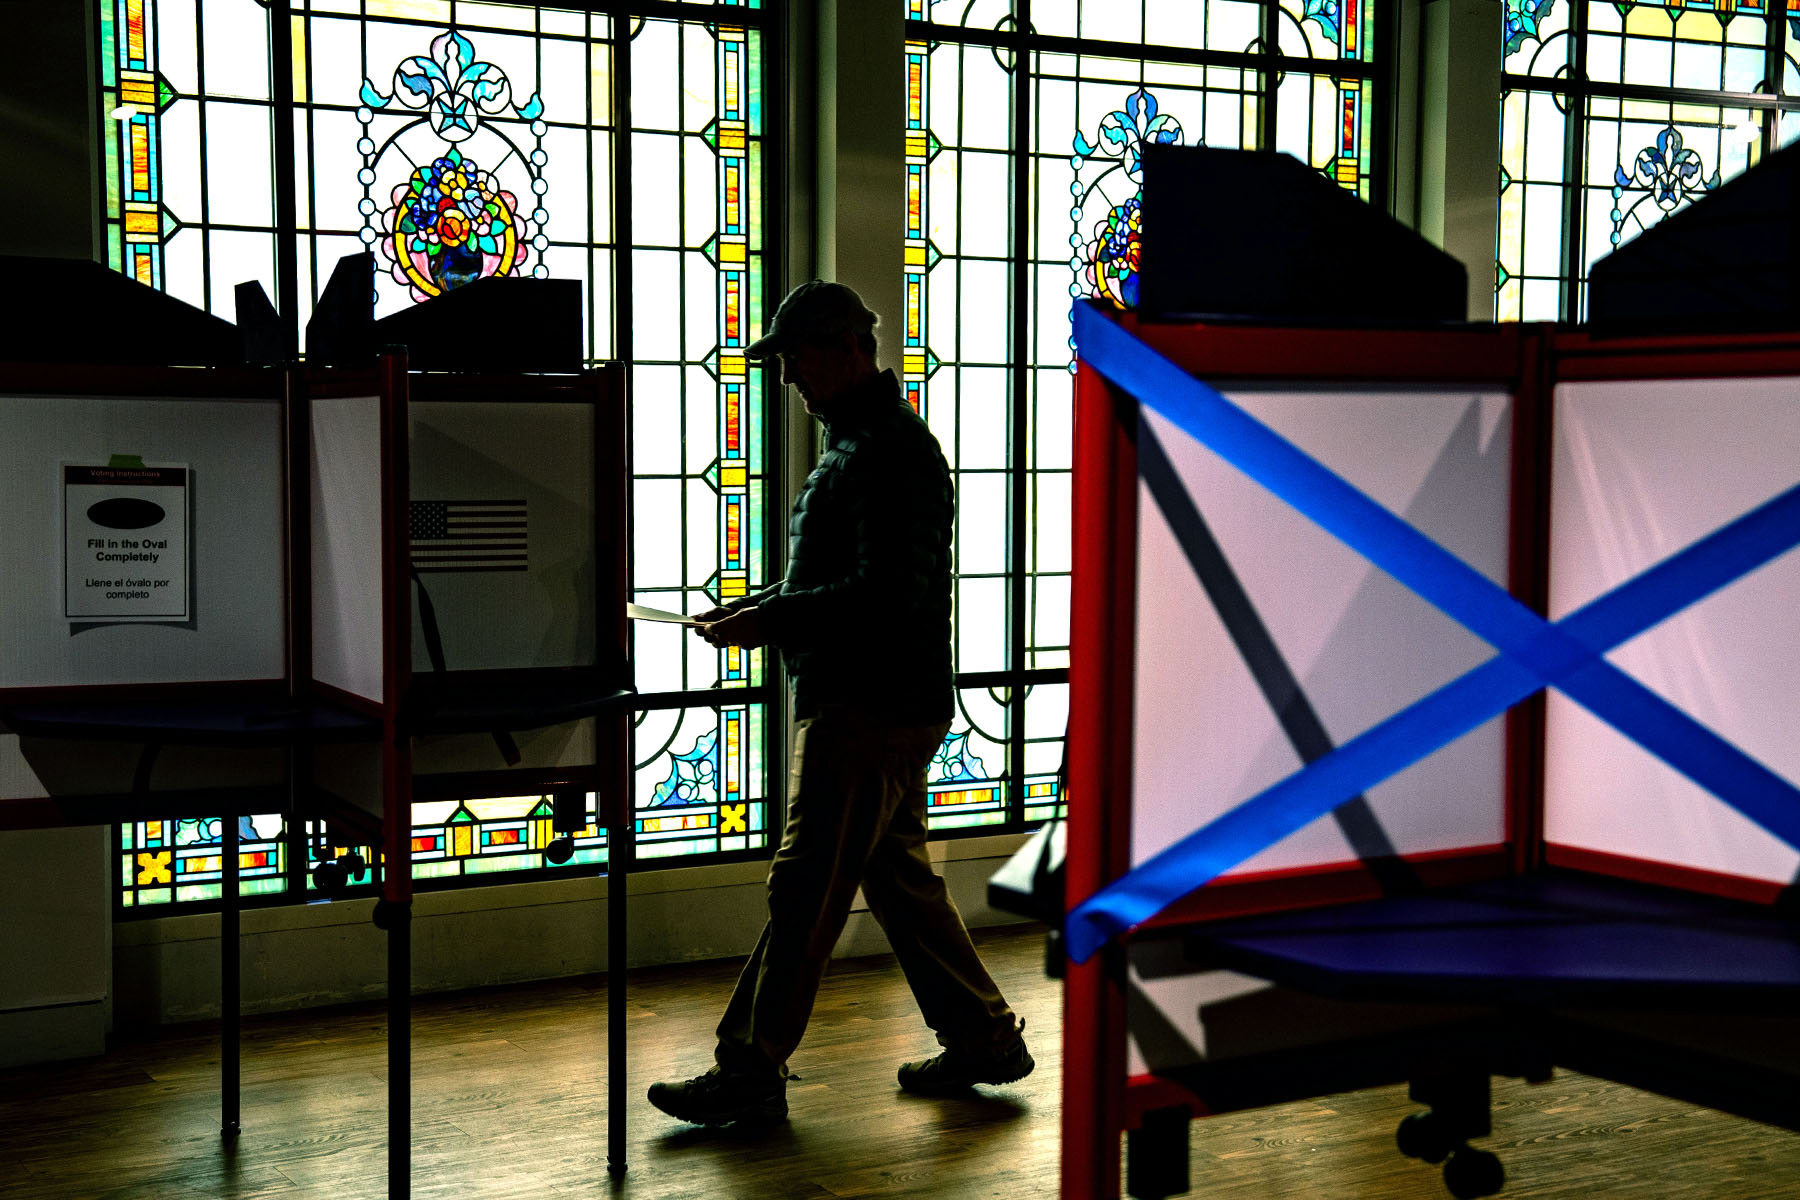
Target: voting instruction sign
125	543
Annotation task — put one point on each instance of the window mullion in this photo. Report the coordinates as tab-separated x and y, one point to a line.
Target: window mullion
1019	422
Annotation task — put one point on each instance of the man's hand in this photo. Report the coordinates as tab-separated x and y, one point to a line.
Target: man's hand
723	628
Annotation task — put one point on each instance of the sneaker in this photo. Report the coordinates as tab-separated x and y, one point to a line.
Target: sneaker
956	1071
717	1098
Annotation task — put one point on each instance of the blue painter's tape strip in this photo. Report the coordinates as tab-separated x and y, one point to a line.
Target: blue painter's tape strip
1535	652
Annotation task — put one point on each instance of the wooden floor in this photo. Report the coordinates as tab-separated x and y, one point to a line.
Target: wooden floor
510	1089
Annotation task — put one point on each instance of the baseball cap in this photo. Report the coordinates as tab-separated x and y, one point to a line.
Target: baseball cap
815	310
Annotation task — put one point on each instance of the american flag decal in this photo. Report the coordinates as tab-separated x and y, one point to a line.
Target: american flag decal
468	535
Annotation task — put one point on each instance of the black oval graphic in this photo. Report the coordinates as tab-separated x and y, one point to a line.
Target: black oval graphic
126	512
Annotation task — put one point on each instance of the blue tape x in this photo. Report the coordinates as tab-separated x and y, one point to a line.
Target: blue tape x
1534	653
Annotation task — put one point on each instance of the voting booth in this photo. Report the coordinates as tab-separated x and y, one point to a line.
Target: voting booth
1325	579
1430	721
230	590
466	579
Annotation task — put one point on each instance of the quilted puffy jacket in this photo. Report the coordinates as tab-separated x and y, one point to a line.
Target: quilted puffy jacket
863	617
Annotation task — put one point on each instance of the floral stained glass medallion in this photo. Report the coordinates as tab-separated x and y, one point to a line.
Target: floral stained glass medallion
450	220
1664	176
1108	201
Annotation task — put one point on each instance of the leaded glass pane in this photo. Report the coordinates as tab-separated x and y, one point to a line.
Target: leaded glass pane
1647	159
162	99
1537	38
967	777
969	311
1046	723
1648	45
492	835
161	862
953	368
1570	191
979	14
700	781
1529	273
456	140
1327	28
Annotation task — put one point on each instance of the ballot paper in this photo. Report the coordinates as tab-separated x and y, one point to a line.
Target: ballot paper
643	612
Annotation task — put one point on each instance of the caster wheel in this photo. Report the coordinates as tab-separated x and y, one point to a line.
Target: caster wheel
329	877
560	850
1423	1135
1473	1173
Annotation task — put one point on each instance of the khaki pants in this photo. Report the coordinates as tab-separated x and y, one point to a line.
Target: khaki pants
856	815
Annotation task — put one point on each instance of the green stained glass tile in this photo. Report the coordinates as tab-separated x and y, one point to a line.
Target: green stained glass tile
109	49
711	362
1505	179
710	135
932	256
711	249
756	80
1500	276
939	820
498	863
675	849
109	138
165	95
711	475
114	254
171	224
932	145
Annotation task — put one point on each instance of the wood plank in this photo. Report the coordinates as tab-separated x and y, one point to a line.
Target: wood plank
510	1088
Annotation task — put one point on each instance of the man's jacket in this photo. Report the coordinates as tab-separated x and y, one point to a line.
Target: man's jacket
863	617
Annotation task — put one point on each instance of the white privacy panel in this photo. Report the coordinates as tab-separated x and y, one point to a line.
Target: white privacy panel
503	532
233	628
1357	644
346	543
1642	469
17	780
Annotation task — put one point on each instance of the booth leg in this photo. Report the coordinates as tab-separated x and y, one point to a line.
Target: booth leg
1156	1155
615	1024
396	918
614	810
231	964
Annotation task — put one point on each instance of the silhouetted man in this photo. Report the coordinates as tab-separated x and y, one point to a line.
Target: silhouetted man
863	623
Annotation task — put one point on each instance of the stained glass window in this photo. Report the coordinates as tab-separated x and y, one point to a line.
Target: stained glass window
1054	121
457	140
1614	114
180	860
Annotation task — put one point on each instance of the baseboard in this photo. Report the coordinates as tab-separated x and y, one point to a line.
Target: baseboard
166	970
52	1033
